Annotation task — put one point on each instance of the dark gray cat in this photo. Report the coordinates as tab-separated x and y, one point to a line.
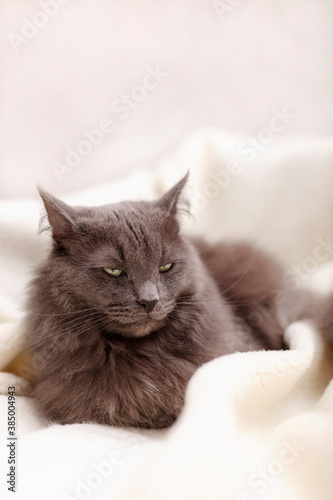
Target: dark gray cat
126	308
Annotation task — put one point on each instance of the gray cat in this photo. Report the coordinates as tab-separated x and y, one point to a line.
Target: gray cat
126	308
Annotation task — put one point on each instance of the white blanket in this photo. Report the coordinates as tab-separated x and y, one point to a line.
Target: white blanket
255	425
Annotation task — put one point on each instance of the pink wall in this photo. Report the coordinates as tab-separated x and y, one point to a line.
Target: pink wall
226	71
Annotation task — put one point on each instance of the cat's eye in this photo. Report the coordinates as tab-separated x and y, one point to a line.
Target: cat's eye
114	272
166	268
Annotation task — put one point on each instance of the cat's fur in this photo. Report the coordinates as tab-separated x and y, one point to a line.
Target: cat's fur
98	355
324	319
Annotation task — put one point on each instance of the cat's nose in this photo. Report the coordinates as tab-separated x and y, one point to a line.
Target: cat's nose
148	304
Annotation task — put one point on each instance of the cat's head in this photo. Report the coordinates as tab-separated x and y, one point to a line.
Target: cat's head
127	260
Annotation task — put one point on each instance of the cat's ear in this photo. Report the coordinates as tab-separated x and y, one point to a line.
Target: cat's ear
59	215
169	200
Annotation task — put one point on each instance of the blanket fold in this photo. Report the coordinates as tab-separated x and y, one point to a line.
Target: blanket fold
255	425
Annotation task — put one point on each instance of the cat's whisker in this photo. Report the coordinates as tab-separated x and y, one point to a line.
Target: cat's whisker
73	323
58	346
222	294
62	314
176	314
229	301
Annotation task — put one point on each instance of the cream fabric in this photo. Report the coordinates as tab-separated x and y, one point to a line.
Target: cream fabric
255	425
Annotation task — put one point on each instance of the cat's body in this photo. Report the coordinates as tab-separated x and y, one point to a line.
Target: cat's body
121	350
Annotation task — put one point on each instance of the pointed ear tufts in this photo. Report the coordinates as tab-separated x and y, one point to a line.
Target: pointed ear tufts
169	201
58	214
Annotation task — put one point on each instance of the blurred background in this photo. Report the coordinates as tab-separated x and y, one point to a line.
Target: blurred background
145	74
115	99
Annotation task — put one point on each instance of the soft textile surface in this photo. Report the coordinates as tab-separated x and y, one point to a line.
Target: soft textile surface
255	425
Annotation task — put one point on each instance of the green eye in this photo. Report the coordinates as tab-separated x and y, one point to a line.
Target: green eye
166	268
114	272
